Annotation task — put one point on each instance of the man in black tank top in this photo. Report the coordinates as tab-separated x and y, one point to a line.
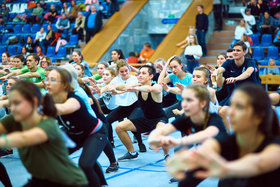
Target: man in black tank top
150	101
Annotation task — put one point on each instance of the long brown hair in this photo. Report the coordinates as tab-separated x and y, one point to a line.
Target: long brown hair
202	94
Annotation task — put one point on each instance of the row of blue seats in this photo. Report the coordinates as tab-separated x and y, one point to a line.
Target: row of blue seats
28	28
266	40
272	52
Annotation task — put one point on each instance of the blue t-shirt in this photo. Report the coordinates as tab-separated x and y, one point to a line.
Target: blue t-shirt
185	81
91	21
234	71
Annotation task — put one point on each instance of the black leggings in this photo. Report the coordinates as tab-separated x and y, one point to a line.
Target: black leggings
4	178
118	114
92	148
35	182
169	109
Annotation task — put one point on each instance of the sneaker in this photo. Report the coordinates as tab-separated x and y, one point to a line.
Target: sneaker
128	156
113	167
142	148
172	180
134	140
4	152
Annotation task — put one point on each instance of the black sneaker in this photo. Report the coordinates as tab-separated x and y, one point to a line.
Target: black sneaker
113	167
128	156
172	180
4	152
142	148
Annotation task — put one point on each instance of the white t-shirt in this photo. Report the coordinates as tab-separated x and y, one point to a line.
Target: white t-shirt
251	19
127	98
194	50
109	99
239	31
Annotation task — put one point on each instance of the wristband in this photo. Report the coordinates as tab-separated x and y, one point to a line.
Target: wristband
7	145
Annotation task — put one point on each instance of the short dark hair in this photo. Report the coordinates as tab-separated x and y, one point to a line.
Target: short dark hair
151	69
36	57
147	44
229	50
20	57
201	6
242	44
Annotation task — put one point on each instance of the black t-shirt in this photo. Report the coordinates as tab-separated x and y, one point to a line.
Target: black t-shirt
234	71
79	124
230	151
185	125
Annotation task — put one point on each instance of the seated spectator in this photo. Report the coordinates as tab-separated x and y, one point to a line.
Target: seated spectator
40	37
79	26
39	51
73	11
63	24
24	52
5	58
90	3
186	42
146	53
49	37
272	71
132	59
65	9
249	19
45	62
262	7
239	31
52	14
276	40
29	44
78	58
248	50
93	23
252	5
267	24
193	52
4	13
37	14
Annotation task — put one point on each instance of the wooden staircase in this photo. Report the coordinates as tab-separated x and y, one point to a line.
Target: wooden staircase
219	42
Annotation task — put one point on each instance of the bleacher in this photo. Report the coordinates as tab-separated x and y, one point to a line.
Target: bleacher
21	29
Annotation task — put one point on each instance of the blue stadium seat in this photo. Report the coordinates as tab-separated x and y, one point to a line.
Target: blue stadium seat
19	49
45	25
5	38
261	72
258	53
10	27
54	27
263	62
51	51
53	60
12	50
272	53
61	53
72	26
73	41
2	49
277	63
35	28
255	39
26	28
18	29
266	40
2	26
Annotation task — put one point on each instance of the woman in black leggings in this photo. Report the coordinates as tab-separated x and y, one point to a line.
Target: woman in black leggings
108	150
84	129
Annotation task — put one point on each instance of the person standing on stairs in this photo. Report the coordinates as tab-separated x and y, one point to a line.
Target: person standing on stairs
218	14
201	28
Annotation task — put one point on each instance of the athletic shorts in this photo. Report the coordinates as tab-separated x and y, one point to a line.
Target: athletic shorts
144	124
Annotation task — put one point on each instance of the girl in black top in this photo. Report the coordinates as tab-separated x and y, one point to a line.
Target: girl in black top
250	157
85	130
196	120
